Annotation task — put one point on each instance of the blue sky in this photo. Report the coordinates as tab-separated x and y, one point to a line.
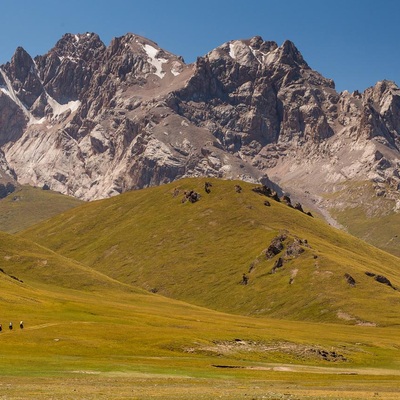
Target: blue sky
353	42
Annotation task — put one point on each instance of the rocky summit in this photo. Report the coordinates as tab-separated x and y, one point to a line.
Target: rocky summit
93	121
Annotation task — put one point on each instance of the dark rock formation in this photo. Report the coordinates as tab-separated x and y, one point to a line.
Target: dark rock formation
276	246
266	191
6	189
278	264
349	279
191	196
207	187
384	280
381	279
245	280
238	189
286	200
295	248
299	207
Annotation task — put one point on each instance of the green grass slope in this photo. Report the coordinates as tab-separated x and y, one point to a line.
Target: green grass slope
28	206
30	264
198	252
89	336
368	216
114	344
105	340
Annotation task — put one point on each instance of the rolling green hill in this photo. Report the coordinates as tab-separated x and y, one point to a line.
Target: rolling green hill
31	264
198	253
368	216
89	335
28	206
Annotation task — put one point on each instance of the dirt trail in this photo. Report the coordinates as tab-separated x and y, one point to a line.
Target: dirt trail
317	369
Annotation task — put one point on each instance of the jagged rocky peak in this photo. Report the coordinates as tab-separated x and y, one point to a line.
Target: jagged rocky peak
66	70
383	96
129	115
289	54
381	112
256	50
20	66
133	56
75	47
20	77
245	51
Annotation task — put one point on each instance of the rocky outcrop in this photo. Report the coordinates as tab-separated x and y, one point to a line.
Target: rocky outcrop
349	279
380	279
276	246
6	189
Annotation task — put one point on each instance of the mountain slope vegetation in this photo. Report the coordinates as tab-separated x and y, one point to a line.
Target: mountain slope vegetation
216	253
28	206
89	335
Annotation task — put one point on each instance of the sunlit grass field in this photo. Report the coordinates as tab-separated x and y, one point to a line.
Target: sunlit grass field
198	253
28	205
93	328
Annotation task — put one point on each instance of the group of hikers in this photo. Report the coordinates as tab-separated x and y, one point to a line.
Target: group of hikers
10	326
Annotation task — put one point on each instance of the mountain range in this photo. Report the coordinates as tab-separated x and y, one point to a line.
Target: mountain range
93	121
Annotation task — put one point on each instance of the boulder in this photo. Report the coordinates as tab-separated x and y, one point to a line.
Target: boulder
349	279
276	246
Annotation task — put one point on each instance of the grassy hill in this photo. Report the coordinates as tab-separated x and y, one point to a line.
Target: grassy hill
90	336
96	338
28	206
198	253
368	216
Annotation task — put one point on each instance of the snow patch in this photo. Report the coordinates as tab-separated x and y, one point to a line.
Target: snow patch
73	59
76	38
256	54
5	91
34	121
59	109
9	91
176	68
154	60
271	57
232	51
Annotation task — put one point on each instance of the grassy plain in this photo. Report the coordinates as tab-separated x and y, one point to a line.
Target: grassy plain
94	330
113	344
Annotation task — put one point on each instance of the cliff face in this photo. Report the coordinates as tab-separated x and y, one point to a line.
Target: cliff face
94	121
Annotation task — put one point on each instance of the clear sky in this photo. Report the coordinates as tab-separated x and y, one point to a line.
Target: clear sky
354	42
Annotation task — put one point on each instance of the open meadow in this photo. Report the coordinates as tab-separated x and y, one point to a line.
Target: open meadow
109	312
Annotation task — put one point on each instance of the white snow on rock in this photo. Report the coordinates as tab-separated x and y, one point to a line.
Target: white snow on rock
9	91
154	60
240	52
232	50
176	68
59	109
73	59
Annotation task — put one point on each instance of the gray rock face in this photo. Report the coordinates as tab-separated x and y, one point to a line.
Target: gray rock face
94	121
